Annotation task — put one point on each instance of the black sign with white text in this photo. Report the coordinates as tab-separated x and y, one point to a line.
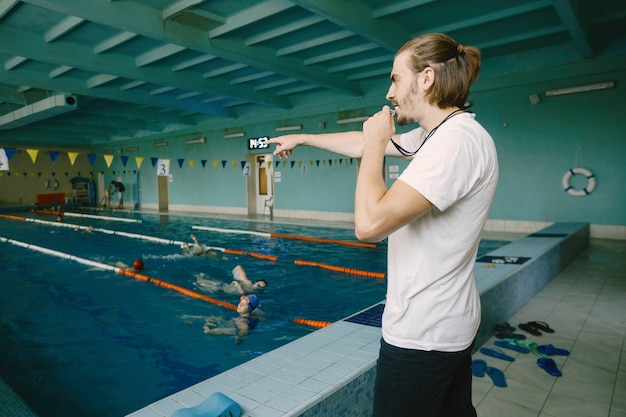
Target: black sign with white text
258	143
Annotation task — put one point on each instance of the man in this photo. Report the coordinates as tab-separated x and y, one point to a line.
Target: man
433	216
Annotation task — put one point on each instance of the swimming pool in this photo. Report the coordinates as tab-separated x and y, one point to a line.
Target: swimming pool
84	341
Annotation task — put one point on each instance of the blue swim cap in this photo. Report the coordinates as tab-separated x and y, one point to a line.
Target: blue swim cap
253	302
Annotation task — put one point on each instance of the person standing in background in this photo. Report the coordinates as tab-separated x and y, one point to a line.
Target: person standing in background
119	187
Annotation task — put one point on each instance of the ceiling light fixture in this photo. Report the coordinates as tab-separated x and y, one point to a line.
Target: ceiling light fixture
352	120
132	149
199	140
580	89
234	135
288	128
160	144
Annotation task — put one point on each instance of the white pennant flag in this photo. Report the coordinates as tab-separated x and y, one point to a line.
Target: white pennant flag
4	160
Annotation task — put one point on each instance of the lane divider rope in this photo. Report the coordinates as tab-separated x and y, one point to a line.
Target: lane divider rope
284	236
314	323
350	271
122	271
88	216
138	236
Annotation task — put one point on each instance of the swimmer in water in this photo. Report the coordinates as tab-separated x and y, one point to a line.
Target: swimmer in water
238	326
137	265
241	284
197	248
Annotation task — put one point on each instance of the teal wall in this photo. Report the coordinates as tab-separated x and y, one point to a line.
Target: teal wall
536	144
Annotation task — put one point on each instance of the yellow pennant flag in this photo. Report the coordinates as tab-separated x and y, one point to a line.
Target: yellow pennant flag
234	164
33	154
72	156
214	162
108	159
192	163
139	161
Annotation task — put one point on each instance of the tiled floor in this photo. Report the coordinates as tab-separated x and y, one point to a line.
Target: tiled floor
586	305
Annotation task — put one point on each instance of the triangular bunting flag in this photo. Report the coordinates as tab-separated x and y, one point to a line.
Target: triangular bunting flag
203	162
138	161
214	164
293	163
72	156
224	164
154	160
53	156
124	159
91	157
33	154
10	152
181	161
234	164
243	164
192	163
4	160
108	158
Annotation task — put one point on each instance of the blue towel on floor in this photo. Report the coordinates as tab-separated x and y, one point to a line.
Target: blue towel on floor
216	405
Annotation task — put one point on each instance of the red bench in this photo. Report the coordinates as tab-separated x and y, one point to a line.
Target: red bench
50	198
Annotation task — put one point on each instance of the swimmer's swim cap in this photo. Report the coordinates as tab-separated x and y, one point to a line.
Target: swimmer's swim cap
138	265
253	302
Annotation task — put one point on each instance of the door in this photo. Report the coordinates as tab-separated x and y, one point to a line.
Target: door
264	183
163	192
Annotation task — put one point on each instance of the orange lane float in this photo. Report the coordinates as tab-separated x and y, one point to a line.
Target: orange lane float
178	288
321	240
351	271
9	216
253	254
314	323
282	236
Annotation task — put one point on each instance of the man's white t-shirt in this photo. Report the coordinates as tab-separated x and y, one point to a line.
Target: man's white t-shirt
432	302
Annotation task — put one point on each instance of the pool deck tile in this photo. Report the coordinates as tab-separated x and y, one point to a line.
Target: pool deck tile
291	378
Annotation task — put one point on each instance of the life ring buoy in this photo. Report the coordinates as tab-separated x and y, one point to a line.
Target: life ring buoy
52	183
591	182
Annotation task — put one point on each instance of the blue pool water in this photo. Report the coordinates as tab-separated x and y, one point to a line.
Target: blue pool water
82	341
